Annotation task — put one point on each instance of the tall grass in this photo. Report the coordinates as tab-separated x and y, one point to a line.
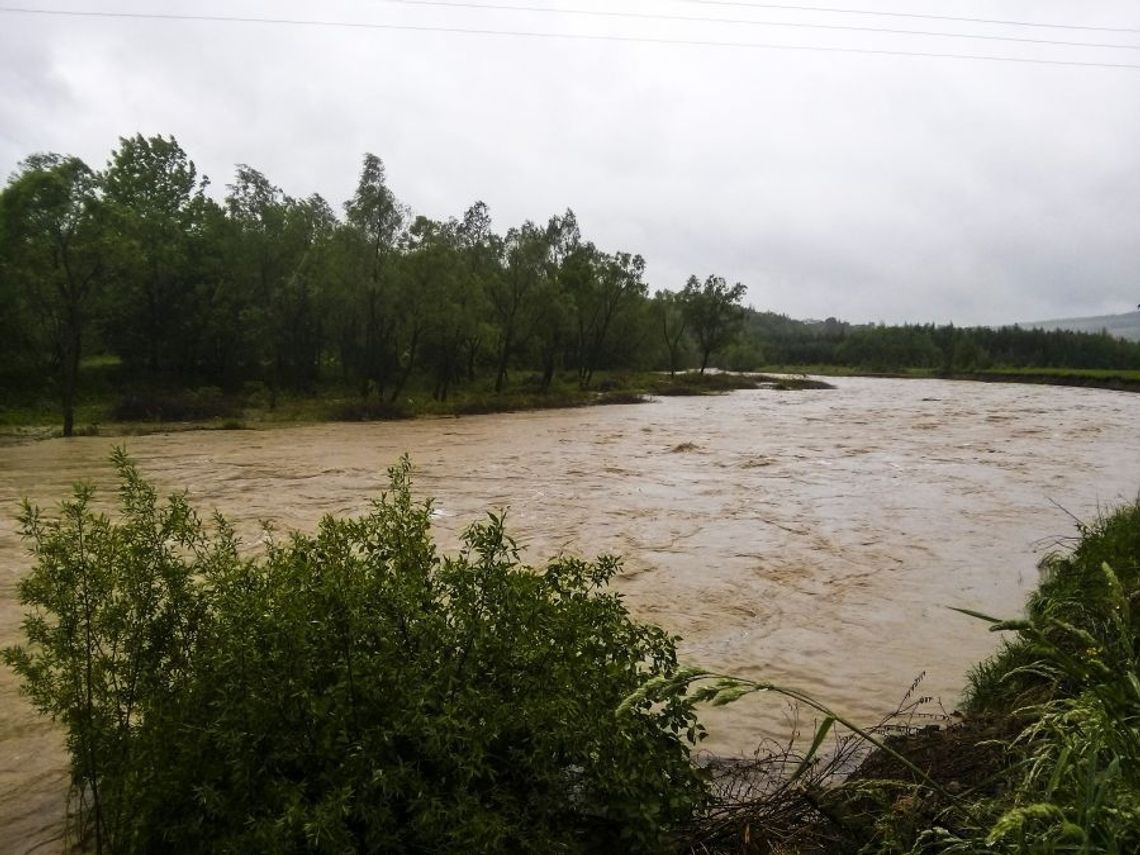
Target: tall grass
1047	759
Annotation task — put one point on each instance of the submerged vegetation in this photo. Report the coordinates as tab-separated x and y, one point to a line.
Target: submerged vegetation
353	690
148	410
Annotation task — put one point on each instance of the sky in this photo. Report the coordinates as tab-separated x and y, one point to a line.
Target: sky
844	180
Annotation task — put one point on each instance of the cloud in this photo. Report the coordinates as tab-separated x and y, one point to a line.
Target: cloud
869	188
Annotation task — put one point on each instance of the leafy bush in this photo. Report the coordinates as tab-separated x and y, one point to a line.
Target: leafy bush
350	690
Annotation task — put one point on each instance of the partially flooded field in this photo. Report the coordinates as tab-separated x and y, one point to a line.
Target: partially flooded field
814	538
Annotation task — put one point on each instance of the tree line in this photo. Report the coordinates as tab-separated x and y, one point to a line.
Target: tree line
138	262
773	339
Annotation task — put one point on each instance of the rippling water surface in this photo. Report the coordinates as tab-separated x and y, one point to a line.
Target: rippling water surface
813	538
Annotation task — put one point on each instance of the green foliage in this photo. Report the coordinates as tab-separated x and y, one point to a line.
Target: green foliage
155	205
138	264
350	690
1047	761
1079	606
712	313
115	614
53	253
1072	674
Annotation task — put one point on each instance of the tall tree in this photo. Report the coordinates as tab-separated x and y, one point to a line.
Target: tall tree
615	286
54	250
219	300
435	316
482	252
669	309
281	242
712	312
19	357
155	204
300	302
554	295
512	294
368	319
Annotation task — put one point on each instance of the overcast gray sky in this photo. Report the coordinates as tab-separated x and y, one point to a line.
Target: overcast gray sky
866	186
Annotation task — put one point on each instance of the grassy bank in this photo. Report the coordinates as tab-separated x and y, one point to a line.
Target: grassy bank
111	408
1121	381
1043	758
1092	378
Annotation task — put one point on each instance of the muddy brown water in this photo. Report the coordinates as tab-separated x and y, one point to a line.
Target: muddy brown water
813	538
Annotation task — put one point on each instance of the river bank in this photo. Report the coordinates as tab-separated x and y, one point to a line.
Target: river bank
138	411
107	410
1043	757
1086	378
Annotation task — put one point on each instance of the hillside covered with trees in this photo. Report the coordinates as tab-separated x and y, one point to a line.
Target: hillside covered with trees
133	282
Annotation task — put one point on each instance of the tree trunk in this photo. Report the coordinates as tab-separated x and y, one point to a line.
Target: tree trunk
402	380
70	367
547	373
504	355
472	352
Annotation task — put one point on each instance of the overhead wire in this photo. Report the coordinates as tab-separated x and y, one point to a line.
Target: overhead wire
536	34
916	15
702	19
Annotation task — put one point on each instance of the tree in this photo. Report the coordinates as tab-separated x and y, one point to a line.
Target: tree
155	205
616	286
279	255
712	313
669	308
512	294
426	303
299	303
55	251
482	252
216	305
19	353
367	316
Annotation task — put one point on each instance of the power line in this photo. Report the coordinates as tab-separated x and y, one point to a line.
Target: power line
961	20
360	25
653	16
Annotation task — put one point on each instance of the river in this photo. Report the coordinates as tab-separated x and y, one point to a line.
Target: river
815	538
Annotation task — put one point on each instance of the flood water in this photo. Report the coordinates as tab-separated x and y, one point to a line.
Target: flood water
813	538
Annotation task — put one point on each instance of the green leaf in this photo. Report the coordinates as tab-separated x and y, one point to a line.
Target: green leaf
820	735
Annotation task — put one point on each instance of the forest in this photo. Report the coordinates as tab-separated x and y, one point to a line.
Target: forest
137	271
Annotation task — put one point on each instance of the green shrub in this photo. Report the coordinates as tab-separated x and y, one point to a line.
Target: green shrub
351	690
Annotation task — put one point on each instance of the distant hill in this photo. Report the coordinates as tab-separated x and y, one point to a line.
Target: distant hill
1125	326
